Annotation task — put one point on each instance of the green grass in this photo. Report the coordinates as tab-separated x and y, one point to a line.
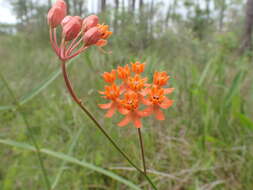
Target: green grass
204	143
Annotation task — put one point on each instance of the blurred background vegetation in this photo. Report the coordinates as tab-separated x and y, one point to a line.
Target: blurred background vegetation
206	140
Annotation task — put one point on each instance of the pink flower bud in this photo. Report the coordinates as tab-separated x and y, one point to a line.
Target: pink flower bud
71	27
57	13
92	36
90	22
65	20
61	3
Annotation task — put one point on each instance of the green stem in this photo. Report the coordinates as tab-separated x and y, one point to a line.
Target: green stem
86	111
44	172
142	151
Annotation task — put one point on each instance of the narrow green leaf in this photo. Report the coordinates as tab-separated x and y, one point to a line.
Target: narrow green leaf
72	160
235	87
204	73
245	120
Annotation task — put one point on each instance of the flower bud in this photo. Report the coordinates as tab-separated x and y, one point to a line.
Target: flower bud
65	20
71	26
61	3
92	36
57	13
90	22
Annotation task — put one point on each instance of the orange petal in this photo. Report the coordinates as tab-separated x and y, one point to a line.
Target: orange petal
146	102
159	115
111	111
166	103
101	43
168	90
122	110
137	122
125	121
105	106
101	92
146	112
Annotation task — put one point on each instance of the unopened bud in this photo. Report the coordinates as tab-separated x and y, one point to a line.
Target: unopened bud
89	22
71	27
92	36
57	13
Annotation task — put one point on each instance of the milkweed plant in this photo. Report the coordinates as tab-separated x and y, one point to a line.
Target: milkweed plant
126	90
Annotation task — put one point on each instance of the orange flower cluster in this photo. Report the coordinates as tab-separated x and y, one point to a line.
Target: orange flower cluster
134	91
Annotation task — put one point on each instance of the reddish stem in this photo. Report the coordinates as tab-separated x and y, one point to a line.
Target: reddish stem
62	48
52	40
69	85
55	41
82	49
70	49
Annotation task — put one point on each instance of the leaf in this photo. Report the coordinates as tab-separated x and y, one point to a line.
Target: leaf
235	87
204	73
214	140
245	120
72	160
35	91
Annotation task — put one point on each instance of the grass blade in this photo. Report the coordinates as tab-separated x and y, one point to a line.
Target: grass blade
72	160
235	87
204	73
245	120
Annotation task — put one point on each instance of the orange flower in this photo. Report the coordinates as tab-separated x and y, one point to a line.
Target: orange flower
137	67
104	29
97	35
105	34
111	93
160	78
109	77
156	100
136	92
130	103
123	72
136	83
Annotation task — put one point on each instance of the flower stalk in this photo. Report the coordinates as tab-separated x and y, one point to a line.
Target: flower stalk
142	151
